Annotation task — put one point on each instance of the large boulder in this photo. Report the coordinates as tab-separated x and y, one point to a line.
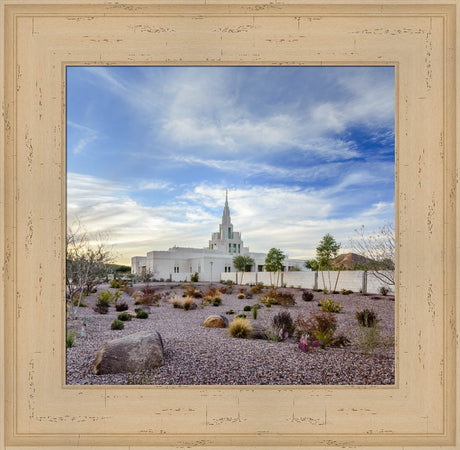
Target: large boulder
133	353
216	321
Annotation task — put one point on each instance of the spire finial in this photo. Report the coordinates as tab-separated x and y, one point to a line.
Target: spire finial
226	194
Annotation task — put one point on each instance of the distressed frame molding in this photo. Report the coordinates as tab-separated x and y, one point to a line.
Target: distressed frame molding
39	40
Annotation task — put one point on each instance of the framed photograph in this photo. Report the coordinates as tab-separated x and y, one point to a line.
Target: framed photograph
44	43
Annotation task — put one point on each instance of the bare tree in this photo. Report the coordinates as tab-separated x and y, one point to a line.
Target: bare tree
379	249
85	266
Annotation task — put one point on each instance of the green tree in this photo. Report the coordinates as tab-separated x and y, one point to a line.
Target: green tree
325	252
274	262
312	264
243	263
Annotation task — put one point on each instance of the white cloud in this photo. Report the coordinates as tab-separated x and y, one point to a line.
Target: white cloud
84	136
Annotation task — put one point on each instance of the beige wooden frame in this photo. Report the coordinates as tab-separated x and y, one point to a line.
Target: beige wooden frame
37	409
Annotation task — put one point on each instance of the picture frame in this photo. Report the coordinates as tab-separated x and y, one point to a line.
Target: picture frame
40	40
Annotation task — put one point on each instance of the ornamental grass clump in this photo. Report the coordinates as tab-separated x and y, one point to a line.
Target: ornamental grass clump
329	305
70	339
211	295
193	292
188	304
124	317
367	318
117	325
240	328
283	322
383	290
269	298
121	306
307	296
141	314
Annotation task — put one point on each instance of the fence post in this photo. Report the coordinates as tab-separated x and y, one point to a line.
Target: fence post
364	288
282	279
315	285
256	276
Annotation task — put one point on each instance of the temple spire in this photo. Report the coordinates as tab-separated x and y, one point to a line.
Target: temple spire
226	213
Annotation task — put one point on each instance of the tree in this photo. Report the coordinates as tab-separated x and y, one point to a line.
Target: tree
274	263
85	266
325	252
379	250
243	263
312	264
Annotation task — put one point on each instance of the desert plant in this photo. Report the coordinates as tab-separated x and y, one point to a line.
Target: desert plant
284	299
177	304
188	304
330	306
307	296
307	345
283	321
247	308
255	310
242	316
370	337
276	335
141	314
115	284
70	339
103	302
230	311
240	328
147	290
117	325
148	299
211	295
269	298
367	318
383	290
116	295
257	289
194	277
121	306
317	326
217	302
193	292
248	294
240	296
346	292
105	297
124	317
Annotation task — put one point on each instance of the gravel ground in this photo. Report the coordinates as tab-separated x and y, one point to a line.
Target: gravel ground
198	355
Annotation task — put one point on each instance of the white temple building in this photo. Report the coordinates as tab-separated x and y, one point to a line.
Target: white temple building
211	263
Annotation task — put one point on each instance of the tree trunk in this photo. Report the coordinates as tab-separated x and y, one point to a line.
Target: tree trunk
337	280
324	282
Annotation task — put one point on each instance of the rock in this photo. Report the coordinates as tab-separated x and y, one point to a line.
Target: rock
216	321
258	332
133	353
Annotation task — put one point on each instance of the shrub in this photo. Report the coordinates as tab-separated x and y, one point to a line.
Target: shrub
82	303
317	326
240	296
370	337
258	288
193	292
116	295
129	290
284	299
121	306
148	299
283	321
194	277
147	290
217	302
230	311
383	290
211	295
330	306
117	325
269	298
124	317
367	318
274	334
69	340
247	308
115	284
242	316
240	328
346	292
141	314
188	304
307	296
307	345
105	297
177	304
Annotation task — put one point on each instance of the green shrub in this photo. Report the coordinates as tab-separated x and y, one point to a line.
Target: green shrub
240	328
255	310
116	296
117	325
367	318
346	292
105	297
269	298
318	326
230	311
383	290
283	322
330	306
370	337
242	316
141	314
247	308
69	340
217	302
211	295
258	288
240	295
193	292
307	296
124	317
194	277
115	284
188	304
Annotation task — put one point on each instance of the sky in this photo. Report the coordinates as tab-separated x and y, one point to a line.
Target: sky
303	151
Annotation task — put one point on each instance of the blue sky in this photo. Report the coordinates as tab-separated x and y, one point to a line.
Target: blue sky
303	151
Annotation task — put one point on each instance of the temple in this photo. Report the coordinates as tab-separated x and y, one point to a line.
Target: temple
178	263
